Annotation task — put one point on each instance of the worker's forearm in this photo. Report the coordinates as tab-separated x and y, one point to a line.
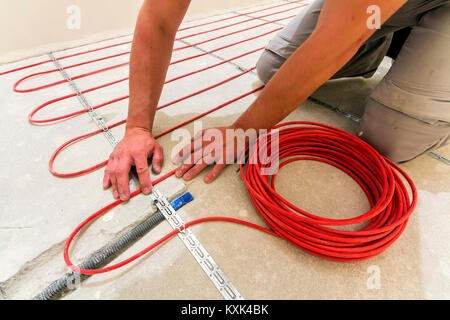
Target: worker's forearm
341	30
150	57
308	68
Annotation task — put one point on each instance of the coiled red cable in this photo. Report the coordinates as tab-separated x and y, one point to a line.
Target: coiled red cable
390	202
377	176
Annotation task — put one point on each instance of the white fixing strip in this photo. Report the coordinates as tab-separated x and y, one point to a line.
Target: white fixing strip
209	266
101	124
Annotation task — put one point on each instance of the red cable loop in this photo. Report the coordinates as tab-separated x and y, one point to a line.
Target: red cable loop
99	165
390	210
231	33
128	42
30	116
16	89
32	113
126	63
65	57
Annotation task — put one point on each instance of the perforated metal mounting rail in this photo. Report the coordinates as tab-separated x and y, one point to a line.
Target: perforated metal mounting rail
101	124
209	266
200	254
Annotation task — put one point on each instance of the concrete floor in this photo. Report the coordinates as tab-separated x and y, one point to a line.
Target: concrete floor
39	210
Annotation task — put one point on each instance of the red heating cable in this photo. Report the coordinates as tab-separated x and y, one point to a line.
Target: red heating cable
122	64
173	62
391	205
18	82
128	42
234	32
71	141
238	15
239	22
99	165
390	202
31	115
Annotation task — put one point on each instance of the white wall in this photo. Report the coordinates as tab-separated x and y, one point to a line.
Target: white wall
33	27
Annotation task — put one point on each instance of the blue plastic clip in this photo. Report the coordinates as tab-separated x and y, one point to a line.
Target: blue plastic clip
181	201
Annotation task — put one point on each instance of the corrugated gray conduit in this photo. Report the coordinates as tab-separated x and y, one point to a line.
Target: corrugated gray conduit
101	258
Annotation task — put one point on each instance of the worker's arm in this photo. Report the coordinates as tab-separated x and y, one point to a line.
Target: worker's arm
151	52
340	32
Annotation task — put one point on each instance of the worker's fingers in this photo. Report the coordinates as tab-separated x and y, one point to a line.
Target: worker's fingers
114	187
209	154
106	179
212	175
121	171
188	163
194	157
212	153
143	173
158	158
195	170
181	170
195	144
112	177
186	151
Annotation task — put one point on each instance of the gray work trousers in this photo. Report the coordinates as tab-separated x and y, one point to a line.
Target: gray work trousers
408	113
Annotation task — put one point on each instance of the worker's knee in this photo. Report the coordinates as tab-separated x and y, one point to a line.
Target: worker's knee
398	136
268	64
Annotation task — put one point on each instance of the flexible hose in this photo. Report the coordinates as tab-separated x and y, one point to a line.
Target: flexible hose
104	256
390	203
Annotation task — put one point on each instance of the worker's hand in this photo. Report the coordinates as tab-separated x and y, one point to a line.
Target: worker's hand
135	148
217	146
